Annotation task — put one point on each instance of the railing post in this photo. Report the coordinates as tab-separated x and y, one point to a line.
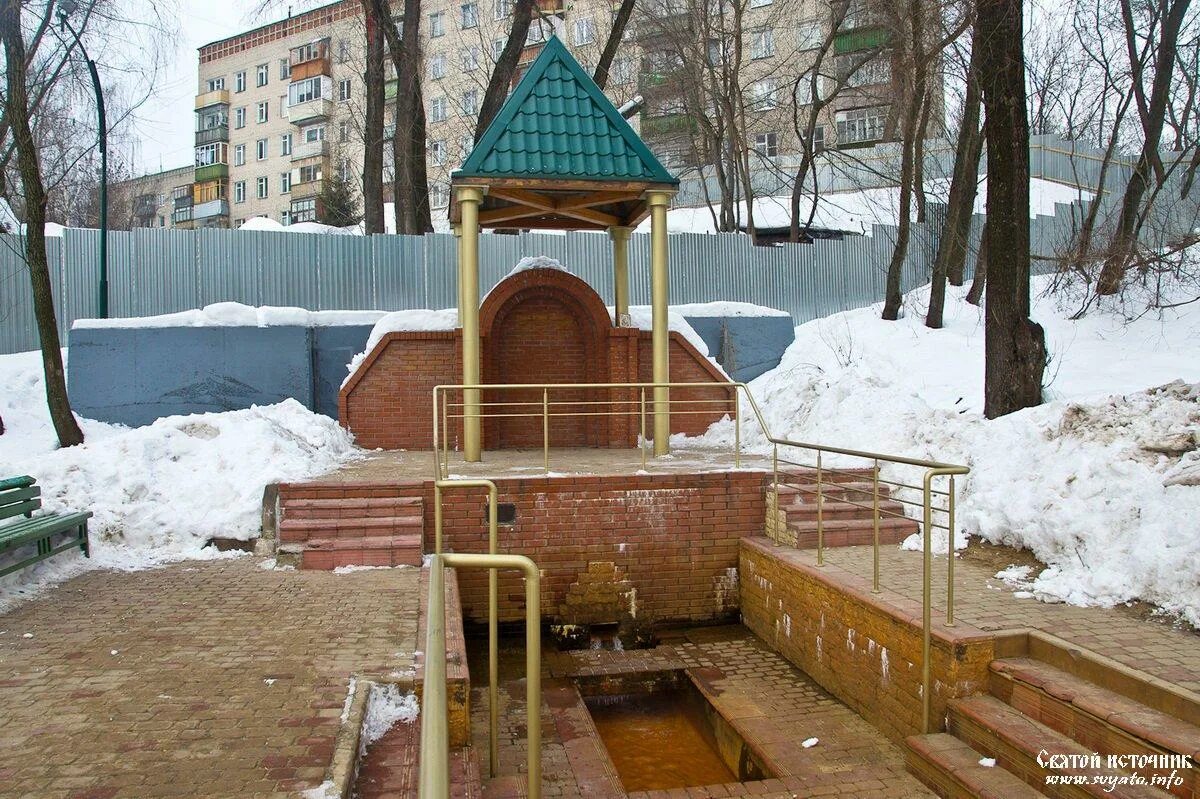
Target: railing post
642	439
775	483
875	577
820	515
926	632
437	518
737	432
435	735
445	440
546	428
950	558
493	634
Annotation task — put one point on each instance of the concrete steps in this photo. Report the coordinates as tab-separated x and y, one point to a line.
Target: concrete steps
846	510
327	532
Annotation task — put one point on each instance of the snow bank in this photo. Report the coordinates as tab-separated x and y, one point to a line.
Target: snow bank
160	492
1093	482
386	707
536	262
711	309
235	314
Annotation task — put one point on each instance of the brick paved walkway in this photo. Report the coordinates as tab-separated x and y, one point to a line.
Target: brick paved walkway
775	704
1170	652
204	679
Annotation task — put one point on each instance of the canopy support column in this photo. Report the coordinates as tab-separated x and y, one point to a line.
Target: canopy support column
457	230
659	283
470	198
620	248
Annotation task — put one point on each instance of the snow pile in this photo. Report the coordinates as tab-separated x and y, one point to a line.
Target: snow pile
261	223
536	262
642	317
401	321
235	314
726	309
160	492
386	707
1093	482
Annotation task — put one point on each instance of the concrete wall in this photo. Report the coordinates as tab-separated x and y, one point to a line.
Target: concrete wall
133	376
746	346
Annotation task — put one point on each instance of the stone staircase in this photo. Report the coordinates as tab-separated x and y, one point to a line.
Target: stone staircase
320	527
846	511
1034	709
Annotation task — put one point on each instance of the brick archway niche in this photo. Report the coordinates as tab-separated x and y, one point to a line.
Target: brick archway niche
537	326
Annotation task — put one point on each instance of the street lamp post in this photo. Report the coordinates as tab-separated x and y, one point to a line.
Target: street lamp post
65	9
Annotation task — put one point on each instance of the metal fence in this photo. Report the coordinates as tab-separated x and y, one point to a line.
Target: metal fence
156	271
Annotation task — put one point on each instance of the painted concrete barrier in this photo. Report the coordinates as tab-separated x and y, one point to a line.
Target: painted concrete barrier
134	375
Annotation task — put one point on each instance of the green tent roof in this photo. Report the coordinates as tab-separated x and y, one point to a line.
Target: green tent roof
557	124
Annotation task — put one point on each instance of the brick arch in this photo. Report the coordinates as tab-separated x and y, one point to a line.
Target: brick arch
544	326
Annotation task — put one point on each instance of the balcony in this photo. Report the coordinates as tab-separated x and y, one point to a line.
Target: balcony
310	149
310	60
310	111
302	191
857	39
145	205
182	217
218	133
210	209
219	97
211	172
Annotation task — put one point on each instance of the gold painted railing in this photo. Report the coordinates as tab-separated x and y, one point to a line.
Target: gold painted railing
935	508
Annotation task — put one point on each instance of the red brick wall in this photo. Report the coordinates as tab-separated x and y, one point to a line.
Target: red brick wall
388	402
675	536
686	365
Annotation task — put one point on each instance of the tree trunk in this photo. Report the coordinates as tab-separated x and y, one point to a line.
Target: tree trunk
894	299
506	66
1124	241
620	22
16	110
372	176
952	246
411	188
1014	345
979	283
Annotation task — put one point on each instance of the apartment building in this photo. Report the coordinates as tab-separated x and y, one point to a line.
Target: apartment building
147	200
279	109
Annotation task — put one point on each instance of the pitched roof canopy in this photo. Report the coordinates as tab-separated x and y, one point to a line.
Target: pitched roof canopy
559	154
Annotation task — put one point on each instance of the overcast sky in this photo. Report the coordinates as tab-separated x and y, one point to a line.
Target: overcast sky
165	126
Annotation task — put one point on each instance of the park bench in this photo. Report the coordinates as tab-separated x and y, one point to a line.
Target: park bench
20	497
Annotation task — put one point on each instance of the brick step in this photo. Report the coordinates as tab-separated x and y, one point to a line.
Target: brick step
352	506
952	770
372	550
832	510
797	475
1099	719
291	530
390	767
806	493
852	533
997	730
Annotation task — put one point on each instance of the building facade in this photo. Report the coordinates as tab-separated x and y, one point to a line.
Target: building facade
279	109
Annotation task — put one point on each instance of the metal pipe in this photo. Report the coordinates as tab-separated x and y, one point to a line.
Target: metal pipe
435	733
950	559
546	428
926	631
660	335
737	433
820	515
875	516
642	438
469	198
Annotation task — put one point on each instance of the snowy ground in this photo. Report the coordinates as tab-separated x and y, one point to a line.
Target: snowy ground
159	493
1089	481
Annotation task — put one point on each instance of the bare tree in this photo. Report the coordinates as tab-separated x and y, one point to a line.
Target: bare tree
1015	349
373	137
615	35
506	65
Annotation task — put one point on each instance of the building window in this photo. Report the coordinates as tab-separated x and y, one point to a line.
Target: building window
216	84
262	188
766	144
263	109
585	31
314	133
438	109
762	43
470	58
304	210
470	15
763	95
263	75
470	102
239	82
310	173
304	90
285	218
497	48
343	51
239	155
343	131
285	68
437	24
437	152
818	139
439	196
465	145
209	154
860	125
875	72
621	73
539	31
503	9
239	117
344	89
239	191
809	35
437	67
260	149
285	144
285	184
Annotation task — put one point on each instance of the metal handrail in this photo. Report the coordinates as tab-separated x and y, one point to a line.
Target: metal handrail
435	733
932	470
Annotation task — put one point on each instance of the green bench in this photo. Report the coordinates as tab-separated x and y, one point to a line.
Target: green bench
20	497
